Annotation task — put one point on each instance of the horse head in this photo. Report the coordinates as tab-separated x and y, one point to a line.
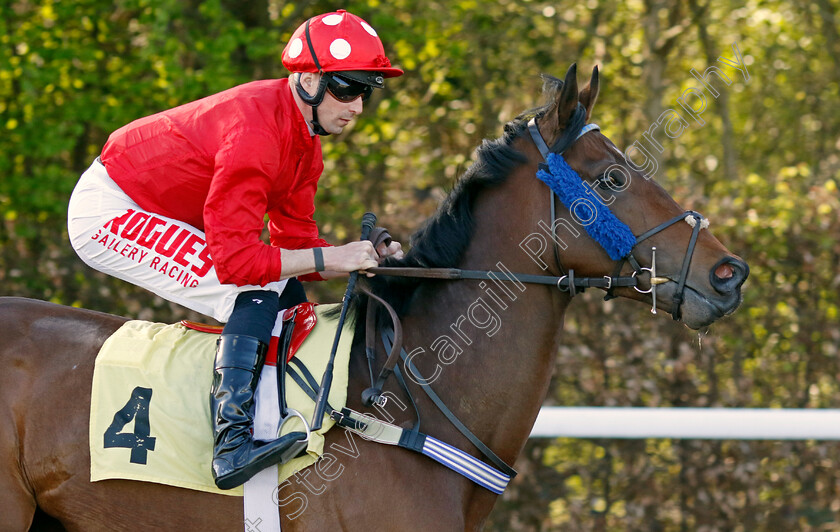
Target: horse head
621	215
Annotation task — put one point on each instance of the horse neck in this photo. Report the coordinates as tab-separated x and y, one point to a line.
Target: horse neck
492	343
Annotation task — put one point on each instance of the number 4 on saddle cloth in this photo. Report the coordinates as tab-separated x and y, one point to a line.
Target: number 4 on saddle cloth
150	414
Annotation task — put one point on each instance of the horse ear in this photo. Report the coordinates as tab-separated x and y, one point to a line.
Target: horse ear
568	99
590	93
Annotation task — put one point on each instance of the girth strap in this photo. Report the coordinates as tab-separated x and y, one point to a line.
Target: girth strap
455	459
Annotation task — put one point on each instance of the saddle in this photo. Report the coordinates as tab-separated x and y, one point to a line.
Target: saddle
302	315
154	377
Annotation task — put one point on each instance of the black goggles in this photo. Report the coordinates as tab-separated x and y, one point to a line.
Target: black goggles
347	90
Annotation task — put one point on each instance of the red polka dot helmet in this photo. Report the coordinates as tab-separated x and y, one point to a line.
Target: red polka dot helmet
341	41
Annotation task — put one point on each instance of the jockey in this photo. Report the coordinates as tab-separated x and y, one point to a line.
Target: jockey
176	204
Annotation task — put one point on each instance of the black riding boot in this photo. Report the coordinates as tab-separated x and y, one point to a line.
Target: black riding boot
236	455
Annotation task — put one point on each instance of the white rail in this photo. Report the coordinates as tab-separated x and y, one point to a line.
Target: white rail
688	423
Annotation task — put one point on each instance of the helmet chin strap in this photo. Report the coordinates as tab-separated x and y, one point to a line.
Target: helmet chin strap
313	102
308	99
316	125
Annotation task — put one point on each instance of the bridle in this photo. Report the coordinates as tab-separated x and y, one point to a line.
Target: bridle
567	281
692	218
411	438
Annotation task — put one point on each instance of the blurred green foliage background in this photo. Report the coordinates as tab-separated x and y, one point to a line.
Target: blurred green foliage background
764	168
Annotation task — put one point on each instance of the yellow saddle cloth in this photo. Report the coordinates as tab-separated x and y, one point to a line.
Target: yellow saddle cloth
150	413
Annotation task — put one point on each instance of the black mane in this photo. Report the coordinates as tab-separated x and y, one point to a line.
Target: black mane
443	238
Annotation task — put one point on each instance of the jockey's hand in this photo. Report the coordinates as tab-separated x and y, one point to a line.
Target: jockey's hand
350	257
394	250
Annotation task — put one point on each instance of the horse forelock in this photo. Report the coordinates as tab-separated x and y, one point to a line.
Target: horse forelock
551	88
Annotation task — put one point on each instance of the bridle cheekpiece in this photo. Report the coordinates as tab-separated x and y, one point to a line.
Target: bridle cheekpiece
603	226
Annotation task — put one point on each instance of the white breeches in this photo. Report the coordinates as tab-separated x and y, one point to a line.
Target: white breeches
112	234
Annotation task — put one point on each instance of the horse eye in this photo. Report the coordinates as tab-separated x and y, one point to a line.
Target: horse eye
613	180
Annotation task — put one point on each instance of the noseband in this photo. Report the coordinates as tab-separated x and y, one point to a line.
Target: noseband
692	218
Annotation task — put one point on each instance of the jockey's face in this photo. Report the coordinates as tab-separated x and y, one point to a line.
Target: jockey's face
333	114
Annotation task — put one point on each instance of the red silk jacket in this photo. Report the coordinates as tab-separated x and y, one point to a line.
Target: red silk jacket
220	164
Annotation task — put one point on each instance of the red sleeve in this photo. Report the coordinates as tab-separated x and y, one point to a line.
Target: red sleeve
235	207
292	225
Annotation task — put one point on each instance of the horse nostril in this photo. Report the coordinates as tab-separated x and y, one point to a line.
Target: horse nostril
729	274
724	271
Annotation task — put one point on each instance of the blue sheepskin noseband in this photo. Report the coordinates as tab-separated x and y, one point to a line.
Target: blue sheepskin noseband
597	219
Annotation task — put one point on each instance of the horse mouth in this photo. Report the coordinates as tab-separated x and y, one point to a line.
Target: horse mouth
700	311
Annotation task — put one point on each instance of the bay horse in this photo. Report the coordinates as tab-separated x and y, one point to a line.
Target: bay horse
493	373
